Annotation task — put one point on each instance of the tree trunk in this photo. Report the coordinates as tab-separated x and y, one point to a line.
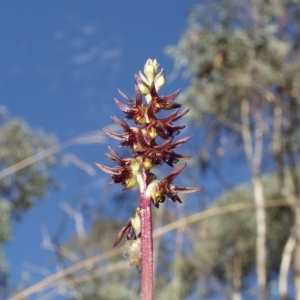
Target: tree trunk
261	231
296	254
285	266
237	278
254	152
297	278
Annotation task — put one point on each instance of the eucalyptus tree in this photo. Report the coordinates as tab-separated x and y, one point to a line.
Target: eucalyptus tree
19	191
244	61
224	245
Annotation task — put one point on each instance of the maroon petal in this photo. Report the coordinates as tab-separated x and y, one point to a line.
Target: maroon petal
186	190
173	174
142	140
172	158
113	171
117	136
173	196
169	118
114	153
122	233
176	128
171	97
150	111
125	96
153	91
178	156
165	146
124	107
181	115
139	80
116	156
181	141
138	96
121	123
109	156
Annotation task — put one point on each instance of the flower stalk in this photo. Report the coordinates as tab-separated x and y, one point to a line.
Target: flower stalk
147	288
147	152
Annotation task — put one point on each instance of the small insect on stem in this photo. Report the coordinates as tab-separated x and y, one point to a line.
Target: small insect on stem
133	252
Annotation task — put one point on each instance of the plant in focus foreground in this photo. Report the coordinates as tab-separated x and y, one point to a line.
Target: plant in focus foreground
146	153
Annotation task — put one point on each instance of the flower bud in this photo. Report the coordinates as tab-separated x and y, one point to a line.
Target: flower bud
135	166
141	77
150	69
136	222
148	98
148	163
142	83
156	192
137	147
144	89
152	133
141	120
159	80
130	182
169	106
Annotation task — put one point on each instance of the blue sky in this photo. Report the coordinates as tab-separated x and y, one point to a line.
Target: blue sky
61	65
62	61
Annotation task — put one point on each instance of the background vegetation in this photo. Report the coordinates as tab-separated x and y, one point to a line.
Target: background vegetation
242	63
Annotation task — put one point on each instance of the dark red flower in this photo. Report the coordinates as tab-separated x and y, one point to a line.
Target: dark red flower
136	110
159	102
163	102
159	189
126	173
164	127
132	228
142	139
162	153
129	138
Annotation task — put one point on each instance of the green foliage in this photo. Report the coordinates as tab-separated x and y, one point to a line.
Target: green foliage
224	246
5	233
121	284
220	248
233	50
18	142
19	190
237	52
108	291
5	211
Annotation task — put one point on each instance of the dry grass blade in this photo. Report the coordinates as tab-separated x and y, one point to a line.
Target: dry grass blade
90	138
43	284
